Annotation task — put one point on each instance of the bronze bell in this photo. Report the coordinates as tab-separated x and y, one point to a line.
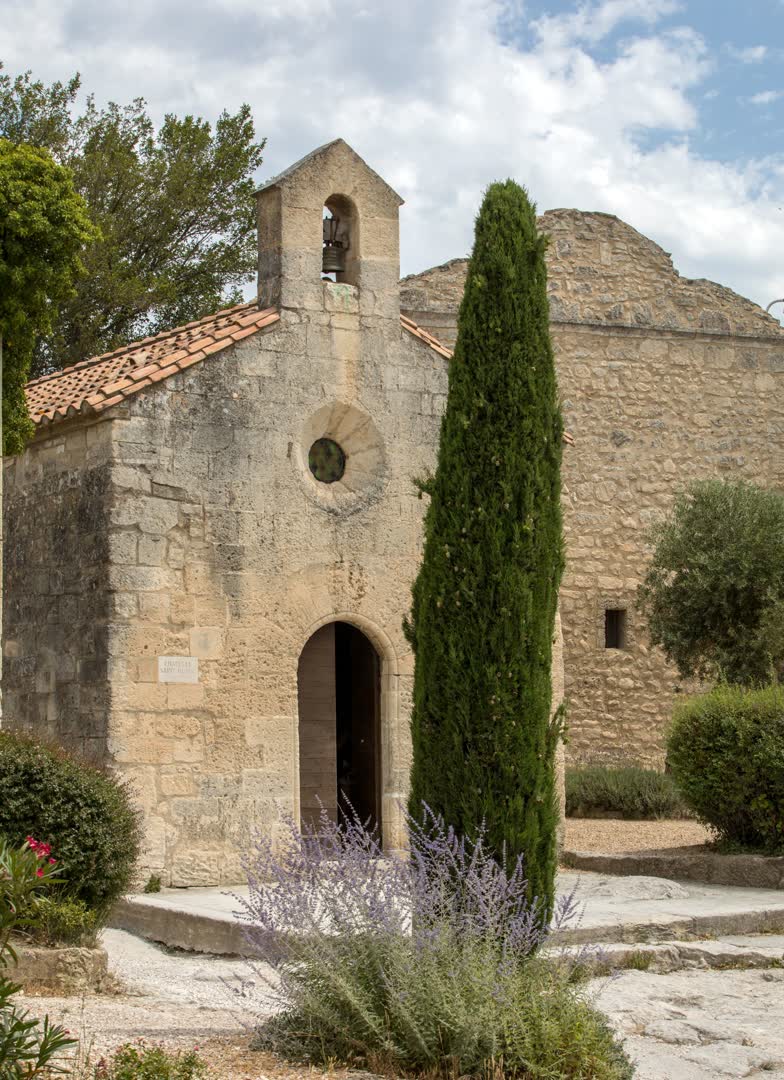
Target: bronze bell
334	258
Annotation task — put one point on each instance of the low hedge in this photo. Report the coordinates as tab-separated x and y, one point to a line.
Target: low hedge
625	791
726	752
85	814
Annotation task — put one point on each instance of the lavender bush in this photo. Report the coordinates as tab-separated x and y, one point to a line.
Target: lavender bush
425	964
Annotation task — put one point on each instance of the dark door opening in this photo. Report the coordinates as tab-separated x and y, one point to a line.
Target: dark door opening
339	725
356	714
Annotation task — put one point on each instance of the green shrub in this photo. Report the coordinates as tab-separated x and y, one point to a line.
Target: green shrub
62	921
629	791
540	1025
153	884
726	752
140	1062
85	814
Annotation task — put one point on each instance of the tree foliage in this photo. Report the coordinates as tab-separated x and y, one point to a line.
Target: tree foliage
713	594
484	603
43	229
173	207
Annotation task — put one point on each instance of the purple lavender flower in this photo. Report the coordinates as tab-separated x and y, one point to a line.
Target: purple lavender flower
400	962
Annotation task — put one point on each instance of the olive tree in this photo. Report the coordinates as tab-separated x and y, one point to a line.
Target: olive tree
713	593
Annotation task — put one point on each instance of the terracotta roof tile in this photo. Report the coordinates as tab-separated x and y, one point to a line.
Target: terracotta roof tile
423	335
102	381
96	384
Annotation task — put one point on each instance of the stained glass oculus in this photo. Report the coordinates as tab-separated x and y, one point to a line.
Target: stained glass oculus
327	461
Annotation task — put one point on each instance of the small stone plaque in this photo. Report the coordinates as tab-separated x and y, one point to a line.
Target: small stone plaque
178	669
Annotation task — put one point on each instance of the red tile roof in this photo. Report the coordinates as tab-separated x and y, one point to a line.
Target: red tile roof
423	335
96	384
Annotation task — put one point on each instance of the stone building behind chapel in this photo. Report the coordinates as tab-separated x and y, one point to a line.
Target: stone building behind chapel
211	539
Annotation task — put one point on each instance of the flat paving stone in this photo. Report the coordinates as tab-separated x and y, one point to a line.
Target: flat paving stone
698	1025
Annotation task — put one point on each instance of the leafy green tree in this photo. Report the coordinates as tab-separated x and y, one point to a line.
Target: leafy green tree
713	593
173	206
43	229
484	603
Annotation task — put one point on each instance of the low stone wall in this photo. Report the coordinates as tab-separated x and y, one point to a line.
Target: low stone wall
686	864
64	971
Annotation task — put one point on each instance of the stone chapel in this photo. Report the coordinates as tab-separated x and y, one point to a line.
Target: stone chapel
211	539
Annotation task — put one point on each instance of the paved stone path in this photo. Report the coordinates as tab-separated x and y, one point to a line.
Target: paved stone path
702	1009
693	1024
698	1025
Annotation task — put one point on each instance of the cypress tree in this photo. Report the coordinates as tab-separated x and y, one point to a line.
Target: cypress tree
484	602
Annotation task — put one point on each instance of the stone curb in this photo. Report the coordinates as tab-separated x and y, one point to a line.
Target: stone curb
660	959
770	921
748	871
225	936
182	929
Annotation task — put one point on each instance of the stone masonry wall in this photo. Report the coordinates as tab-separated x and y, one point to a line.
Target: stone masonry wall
55	664
227	550
663	381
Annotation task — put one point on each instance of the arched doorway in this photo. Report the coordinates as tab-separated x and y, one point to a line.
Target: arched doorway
338	684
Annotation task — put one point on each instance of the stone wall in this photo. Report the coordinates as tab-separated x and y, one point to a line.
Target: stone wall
57	496
663	381
226	549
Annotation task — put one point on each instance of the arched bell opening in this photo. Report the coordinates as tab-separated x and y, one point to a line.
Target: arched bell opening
339	697
340	249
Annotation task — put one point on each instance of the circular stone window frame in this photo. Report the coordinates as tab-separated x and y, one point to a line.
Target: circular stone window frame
360	440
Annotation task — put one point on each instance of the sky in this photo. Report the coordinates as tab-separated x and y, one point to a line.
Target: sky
668	113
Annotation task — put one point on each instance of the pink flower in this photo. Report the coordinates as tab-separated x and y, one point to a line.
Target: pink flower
52	862
39	872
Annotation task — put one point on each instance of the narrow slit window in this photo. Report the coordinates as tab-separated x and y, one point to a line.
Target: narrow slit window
615	628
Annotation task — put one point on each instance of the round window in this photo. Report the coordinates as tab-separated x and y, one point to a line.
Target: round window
327	461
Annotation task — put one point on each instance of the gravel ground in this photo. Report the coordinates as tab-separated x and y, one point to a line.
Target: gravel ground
180	999
611	837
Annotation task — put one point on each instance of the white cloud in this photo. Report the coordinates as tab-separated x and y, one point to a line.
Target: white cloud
441	97
766	97
753	54
591	22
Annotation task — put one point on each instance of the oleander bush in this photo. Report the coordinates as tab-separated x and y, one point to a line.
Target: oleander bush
426	965
29	1047
627	791
726	753
85	814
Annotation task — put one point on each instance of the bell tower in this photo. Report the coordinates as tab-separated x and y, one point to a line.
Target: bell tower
329	218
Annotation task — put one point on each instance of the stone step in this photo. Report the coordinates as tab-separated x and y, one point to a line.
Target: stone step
721	954
685	864
611	910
